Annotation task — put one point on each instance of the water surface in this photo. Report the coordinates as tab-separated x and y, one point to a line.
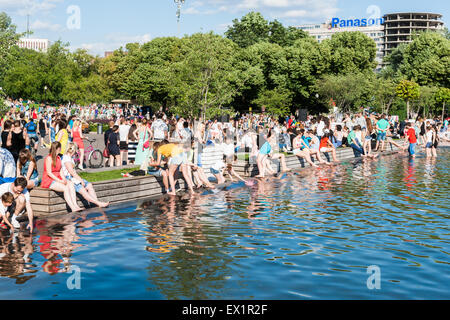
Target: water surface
307	235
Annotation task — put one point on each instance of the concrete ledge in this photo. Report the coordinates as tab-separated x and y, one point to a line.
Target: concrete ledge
48	203
250	169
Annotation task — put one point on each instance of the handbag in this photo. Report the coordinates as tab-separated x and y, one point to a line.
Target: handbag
106	151
146	143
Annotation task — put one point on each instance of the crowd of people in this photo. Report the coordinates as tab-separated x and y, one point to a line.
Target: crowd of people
164	146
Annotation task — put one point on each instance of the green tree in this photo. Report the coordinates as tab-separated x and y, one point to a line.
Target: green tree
426	101
446	33
443	96
204	81
284	36
384	93
275	102
251	29
426	60
351	52
408	90
306	60
149	83
8	38
349	92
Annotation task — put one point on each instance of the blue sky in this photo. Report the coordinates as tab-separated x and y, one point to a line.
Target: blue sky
107	25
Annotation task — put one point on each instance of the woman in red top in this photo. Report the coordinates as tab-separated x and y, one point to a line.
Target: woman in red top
327	146
53	177
77	137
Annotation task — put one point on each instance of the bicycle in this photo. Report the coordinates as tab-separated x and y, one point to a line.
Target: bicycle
93	157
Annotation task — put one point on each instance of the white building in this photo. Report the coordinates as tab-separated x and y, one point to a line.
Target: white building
34	44
325	31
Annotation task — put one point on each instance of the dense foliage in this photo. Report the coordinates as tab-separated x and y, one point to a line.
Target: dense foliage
258	64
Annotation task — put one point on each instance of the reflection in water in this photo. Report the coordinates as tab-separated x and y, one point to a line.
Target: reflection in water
15	251
308	234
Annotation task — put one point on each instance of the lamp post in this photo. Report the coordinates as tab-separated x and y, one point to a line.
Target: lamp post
45	94
179	3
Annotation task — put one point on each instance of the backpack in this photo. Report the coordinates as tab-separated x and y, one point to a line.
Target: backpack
31	127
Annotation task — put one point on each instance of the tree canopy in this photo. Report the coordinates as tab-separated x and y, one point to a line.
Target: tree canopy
258	64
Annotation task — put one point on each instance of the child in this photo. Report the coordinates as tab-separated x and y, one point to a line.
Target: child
327	146
411	138
7	201
430	138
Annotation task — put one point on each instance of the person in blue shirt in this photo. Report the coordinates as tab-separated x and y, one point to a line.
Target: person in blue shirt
32	133
382	128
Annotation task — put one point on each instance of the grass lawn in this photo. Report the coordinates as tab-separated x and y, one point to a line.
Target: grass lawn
105	175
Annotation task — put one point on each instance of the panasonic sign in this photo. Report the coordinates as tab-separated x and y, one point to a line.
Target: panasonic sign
338	23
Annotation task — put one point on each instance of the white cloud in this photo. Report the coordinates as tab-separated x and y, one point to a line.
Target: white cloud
43	25
224	26
300	10
32	7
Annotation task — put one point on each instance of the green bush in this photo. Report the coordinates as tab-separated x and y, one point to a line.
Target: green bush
93	127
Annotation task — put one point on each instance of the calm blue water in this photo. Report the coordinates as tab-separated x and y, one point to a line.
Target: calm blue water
309	235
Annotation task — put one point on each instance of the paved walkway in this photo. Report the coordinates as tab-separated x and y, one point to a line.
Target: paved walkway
98	144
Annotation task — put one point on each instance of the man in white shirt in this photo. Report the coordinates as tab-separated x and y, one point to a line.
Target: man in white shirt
7	164
361	121
21	201
159	128
124	130
320	128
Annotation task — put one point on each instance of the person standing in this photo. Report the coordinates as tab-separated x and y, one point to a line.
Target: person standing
7	125
132	143
17	140
159	128
143	147
382	127
124	130
62	136
77	138
411	138
43	130
105	138
31	129
430	139
114	147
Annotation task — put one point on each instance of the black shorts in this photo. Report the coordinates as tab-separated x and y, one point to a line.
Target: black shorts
11	209
42	133
123	146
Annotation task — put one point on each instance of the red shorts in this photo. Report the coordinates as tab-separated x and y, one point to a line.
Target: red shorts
79	144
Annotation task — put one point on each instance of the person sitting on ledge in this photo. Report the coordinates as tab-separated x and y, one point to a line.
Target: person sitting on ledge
156	171
27	168
54	179
82	186
21	202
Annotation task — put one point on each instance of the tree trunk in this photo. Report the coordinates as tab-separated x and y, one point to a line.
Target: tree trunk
443	111
407	109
